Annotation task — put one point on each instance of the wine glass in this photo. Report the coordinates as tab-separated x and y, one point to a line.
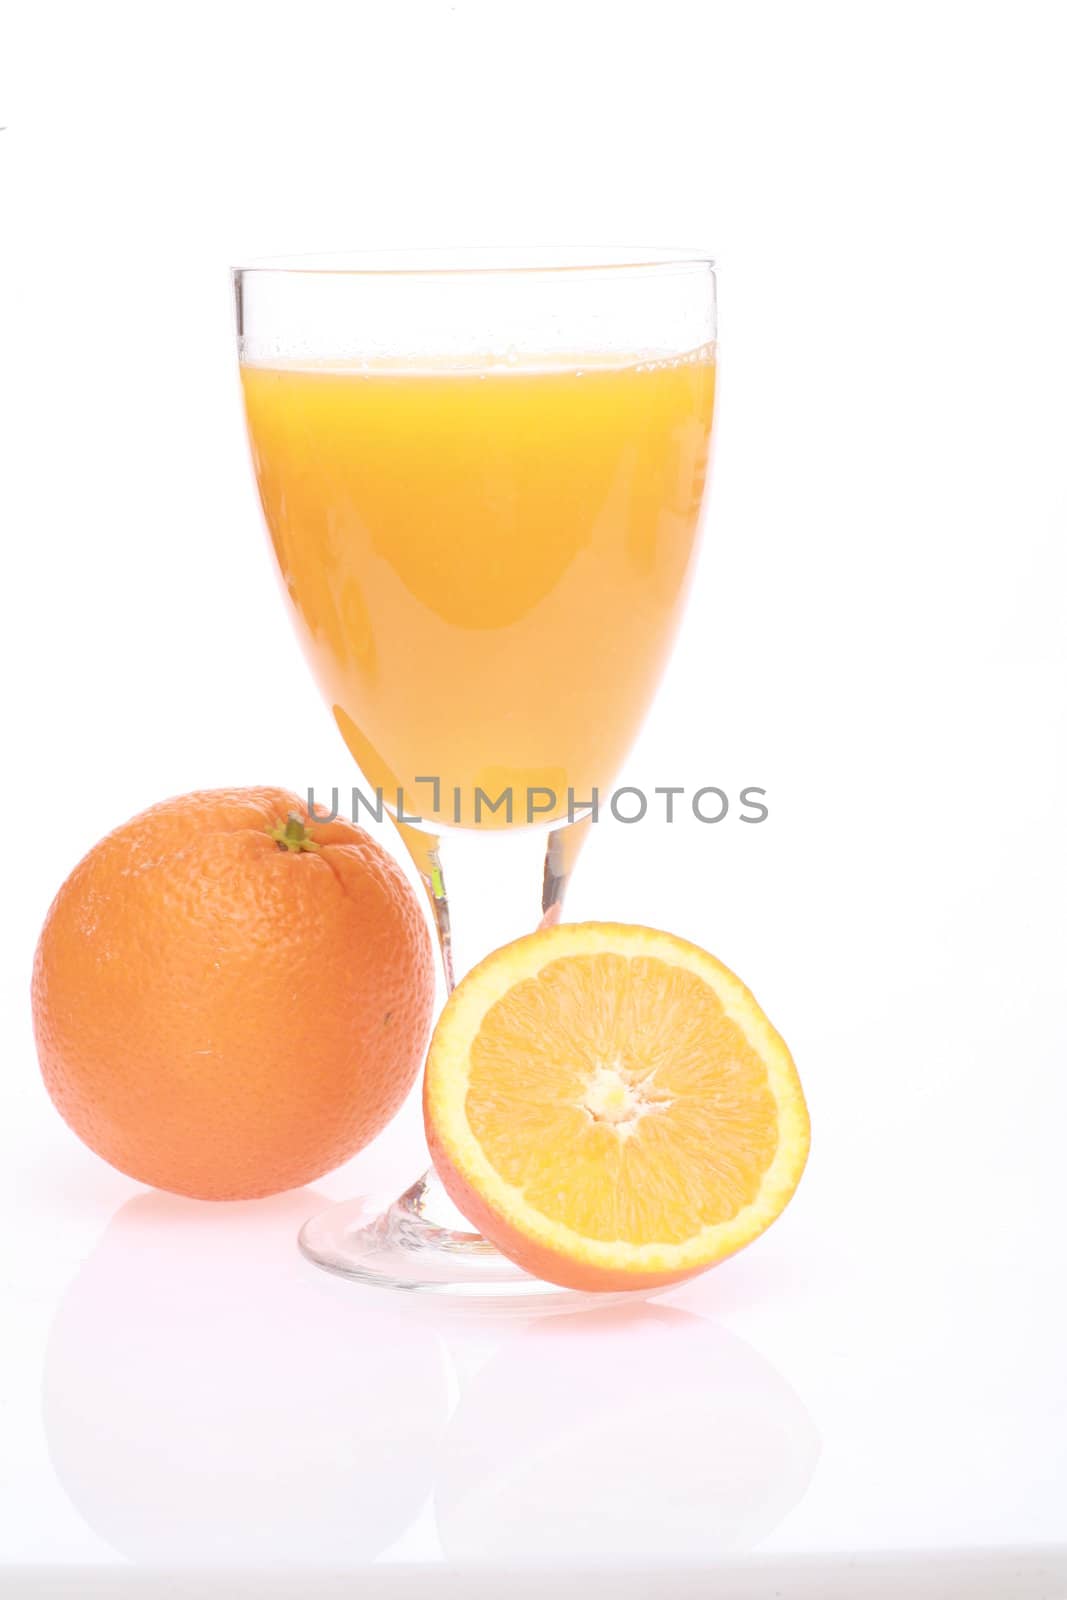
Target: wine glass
482	475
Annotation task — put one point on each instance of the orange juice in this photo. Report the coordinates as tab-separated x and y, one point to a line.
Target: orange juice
486	566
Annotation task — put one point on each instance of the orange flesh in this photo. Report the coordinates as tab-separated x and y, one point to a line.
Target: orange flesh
617	1094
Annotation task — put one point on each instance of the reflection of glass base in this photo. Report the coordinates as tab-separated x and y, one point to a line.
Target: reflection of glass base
422	1243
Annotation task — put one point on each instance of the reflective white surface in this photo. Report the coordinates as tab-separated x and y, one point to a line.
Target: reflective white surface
191	1396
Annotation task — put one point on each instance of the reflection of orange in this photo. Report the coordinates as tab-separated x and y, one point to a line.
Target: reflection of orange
695	1443
610	1106
209	1403
230	1001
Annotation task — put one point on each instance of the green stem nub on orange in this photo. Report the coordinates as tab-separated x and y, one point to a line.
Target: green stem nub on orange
292	834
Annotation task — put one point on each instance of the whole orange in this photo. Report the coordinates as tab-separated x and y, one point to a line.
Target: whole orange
230	999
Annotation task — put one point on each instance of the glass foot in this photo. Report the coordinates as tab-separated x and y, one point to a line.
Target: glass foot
421	1243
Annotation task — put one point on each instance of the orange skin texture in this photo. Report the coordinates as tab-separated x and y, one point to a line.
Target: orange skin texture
538	1259
225	1018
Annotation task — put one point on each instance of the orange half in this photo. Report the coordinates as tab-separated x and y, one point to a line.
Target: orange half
610	1107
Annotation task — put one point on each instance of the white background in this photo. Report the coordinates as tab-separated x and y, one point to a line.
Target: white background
875	636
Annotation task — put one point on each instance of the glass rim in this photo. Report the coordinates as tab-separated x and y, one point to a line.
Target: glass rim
476	261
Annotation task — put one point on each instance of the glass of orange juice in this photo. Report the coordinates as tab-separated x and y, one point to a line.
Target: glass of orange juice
482	476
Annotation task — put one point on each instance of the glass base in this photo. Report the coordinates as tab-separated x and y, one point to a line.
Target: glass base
422	1244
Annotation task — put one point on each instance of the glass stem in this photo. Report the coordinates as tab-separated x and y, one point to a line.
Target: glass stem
493	876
